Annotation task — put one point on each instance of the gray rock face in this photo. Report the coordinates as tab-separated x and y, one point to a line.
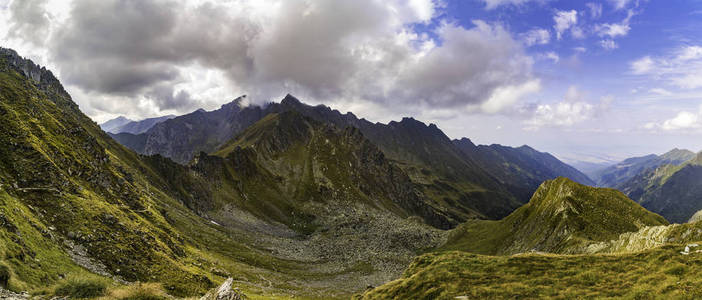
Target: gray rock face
42	77
225	292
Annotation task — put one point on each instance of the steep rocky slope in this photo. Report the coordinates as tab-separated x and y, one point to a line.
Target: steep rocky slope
66	186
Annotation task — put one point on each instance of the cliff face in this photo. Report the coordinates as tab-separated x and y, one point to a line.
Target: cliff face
43	77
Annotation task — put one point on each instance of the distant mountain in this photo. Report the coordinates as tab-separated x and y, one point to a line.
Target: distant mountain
591	169
562	217
670	190
110	125
624	171
137	127
181	138
520	169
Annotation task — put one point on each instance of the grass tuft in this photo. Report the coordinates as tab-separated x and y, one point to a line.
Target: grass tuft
79	287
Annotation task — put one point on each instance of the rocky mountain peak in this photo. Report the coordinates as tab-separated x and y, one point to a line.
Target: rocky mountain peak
290	100
40	75
236	104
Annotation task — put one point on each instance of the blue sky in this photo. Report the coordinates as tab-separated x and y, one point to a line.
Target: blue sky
585	80
655	29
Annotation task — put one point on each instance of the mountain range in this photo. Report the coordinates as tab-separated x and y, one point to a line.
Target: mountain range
454	174
668	184
123	125
619	173
289	200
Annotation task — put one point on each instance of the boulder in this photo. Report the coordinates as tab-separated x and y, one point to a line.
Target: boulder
225	292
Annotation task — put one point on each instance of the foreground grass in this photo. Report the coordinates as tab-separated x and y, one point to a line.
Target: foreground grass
660	273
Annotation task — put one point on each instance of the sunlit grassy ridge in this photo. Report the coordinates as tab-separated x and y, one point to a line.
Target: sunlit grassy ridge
660	273
562	217
569	241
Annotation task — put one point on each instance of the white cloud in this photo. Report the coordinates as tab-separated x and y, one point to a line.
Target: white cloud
642	65
690	53
560	114
613	30
564	20
681	68
683	121
609	44
140	55
572	110
552	56
506	97
595	9
660	91
619	4
492	4
537	36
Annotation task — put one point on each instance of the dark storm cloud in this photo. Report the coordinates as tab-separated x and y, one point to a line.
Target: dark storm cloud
29	21
329	50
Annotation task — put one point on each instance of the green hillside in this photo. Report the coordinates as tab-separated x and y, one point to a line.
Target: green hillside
660	273
561	217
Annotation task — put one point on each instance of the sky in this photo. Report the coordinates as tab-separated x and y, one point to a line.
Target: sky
595	81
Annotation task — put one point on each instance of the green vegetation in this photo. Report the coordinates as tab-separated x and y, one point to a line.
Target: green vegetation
562	217
81	287
660	273
140	291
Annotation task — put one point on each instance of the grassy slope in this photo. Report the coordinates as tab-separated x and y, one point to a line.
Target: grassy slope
660	273
561	217
617	260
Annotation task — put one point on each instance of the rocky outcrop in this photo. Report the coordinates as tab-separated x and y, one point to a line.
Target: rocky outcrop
225	292
40	75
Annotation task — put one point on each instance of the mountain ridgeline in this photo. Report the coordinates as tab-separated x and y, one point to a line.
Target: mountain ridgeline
667	184
468	181
124	125
671	190
562	217
616	175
